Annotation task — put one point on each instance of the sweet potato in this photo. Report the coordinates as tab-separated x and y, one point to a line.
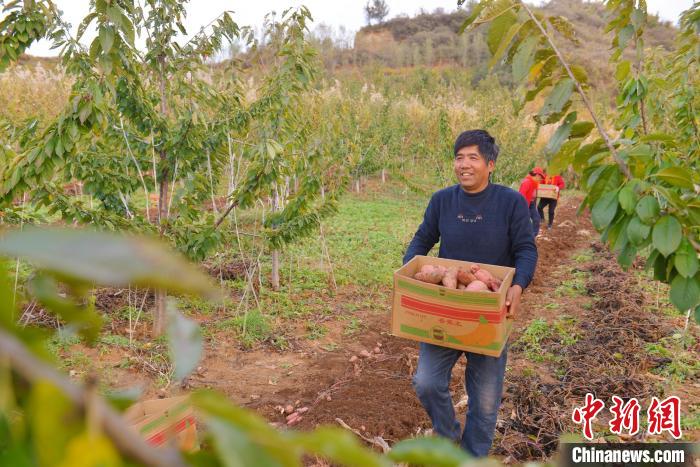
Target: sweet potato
461	286
478	286
431	274
449	280
465	277
486	277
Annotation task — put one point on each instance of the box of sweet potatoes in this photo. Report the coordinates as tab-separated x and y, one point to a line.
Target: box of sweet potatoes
456	304
547	191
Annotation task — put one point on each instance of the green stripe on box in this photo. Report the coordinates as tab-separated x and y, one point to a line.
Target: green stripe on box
462	298
425	333
414	331
174	412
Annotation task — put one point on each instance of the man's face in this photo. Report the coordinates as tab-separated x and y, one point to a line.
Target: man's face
471	169
539	178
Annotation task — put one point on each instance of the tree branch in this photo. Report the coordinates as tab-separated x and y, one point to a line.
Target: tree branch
126	441
623	166
225	214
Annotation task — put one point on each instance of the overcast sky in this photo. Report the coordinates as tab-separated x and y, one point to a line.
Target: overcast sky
347	13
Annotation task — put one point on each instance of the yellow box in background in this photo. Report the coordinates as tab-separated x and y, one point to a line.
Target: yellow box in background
547	191
161	420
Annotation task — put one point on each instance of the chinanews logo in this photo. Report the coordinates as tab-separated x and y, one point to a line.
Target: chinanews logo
662	416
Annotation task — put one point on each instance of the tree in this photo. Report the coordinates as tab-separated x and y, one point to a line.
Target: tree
376	10
149	125
642	186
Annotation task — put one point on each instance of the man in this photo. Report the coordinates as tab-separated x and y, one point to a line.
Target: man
475	220
558	181
528	188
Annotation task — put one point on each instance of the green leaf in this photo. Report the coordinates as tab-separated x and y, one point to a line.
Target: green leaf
581	129
338	446
564	27
564	156
498	30
685	292
522	61
557	99
677	176
579	73
664	138
239	432
235	448
637	231
628	198
84	318
667	234
648	209
604	210
106	38
660	268
624	36
114	14
54	421
627	256
504	43
623	69
697	314
185	342
561	134
106	259
686	259
89	449
432	451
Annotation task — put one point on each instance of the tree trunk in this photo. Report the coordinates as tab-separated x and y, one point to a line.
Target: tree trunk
160	318
357	185
383	176
275	270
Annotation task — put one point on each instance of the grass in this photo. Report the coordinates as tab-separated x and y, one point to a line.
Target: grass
562	330
682	364
366	241
250	328
530	341
315	331
353	326
573	287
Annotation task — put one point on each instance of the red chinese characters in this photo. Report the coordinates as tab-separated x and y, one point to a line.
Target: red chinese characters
665	416
625	416
584	415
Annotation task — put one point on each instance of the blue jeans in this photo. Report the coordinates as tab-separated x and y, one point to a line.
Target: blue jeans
535	217
484	381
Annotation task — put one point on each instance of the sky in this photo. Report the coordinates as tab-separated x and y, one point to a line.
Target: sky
346	13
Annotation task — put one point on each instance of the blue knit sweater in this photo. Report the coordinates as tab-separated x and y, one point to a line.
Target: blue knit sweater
492	227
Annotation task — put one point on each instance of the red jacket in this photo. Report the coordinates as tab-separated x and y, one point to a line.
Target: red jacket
528	188
555	180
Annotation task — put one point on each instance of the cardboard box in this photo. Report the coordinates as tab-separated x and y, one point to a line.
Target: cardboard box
547	191
471	321
160	420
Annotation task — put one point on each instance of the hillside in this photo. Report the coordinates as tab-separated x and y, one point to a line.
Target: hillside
433	39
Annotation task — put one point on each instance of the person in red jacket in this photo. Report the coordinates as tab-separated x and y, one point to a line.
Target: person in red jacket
528	188
552	203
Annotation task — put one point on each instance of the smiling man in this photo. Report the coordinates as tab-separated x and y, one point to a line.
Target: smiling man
479	221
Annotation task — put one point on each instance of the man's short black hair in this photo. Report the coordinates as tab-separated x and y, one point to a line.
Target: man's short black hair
481	138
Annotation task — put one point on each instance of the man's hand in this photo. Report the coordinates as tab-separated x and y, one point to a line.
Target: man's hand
513	300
